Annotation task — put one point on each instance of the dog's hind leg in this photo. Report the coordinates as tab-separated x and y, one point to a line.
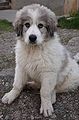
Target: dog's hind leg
19	82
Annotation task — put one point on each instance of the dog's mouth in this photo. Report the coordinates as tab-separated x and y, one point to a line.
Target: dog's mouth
33	43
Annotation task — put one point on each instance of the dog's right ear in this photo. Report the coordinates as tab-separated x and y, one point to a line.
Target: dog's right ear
18	27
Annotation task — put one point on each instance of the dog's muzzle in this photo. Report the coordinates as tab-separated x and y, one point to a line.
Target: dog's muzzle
32	38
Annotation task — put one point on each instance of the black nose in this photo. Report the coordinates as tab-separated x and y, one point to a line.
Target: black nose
32	38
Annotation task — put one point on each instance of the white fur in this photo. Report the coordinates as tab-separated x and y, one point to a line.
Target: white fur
48	64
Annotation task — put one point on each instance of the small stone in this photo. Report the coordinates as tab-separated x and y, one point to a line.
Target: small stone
64	116
11	51
7	117
1	116
32	117
3	83
7	84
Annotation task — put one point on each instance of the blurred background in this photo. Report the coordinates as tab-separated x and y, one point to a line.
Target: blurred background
60	7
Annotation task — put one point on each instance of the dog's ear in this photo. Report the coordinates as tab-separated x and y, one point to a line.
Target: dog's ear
51	26
18	27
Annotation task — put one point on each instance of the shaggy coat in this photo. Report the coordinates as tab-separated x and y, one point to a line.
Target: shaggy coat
41	57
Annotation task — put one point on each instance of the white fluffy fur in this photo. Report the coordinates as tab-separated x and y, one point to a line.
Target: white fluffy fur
49	65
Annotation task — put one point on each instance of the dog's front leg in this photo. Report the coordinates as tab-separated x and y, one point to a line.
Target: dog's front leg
48	84
19	82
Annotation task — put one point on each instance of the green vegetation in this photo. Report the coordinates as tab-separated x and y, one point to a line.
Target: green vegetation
5	26
71	22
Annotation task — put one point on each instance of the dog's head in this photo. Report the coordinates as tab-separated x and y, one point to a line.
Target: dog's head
35	24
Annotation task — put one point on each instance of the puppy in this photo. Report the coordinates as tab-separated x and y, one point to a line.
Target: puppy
41	57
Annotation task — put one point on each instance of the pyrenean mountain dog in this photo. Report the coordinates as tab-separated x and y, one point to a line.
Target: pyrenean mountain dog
41	57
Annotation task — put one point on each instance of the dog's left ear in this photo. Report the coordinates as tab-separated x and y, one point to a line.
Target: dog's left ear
51	27
51	23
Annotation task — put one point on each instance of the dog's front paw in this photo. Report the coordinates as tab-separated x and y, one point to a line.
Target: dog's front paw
46	109
9	97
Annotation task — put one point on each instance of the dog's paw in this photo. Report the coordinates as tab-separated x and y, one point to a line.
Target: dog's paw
6	98
9	97
46	109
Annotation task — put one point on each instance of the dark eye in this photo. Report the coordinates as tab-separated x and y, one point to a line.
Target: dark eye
40	26
27	25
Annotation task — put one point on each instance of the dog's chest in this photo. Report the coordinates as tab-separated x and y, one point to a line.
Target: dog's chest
35	62
33	67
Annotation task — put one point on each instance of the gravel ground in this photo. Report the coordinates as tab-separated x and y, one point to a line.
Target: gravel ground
26	106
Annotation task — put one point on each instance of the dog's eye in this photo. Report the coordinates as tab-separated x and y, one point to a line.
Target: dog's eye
27	25
40	26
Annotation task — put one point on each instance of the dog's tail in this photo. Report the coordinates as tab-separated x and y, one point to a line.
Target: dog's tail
76	57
